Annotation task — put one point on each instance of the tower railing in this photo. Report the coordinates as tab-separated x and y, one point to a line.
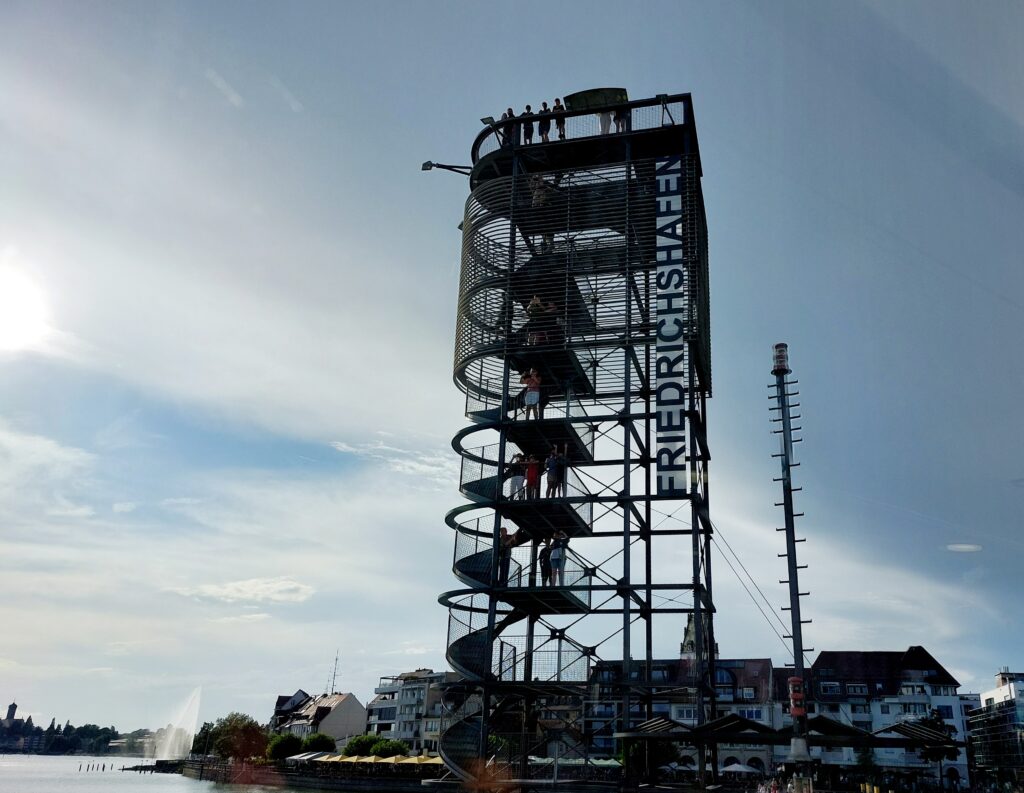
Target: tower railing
579	124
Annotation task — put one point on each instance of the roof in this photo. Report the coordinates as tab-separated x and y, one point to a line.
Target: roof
918	732
284	699
885	669
318	707
821	731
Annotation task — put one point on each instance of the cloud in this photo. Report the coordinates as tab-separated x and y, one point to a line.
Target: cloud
125	432
39	476
64	508
439	466
963	547
289	98
180	501
124	507
243	618
222	85
253	590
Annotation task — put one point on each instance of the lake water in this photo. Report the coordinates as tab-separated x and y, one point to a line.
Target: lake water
30	773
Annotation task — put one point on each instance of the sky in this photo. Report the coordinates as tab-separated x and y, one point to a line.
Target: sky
227	305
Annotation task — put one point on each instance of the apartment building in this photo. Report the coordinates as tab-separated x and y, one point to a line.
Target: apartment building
997	728
407	707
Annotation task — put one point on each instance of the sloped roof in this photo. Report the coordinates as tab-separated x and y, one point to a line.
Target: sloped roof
918	732
316	708
888	668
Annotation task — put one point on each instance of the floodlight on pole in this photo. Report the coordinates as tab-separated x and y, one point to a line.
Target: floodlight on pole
463	170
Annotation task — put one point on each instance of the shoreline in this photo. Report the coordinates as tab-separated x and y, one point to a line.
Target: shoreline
245	774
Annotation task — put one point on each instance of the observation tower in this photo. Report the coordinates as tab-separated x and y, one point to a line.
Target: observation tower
583	290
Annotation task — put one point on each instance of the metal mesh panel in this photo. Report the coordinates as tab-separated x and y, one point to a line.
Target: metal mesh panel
557	261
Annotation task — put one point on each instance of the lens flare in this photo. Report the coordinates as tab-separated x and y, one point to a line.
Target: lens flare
24	314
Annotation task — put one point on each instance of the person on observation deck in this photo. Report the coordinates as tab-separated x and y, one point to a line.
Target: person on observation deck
527	115
558	107
563	470
551	466
532	477
559	549
517	477
532	381
509	128
621	120
544	559
504	556
544	122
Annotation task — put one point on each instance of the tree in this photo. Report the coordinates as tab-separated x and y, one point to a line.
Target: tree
240	736
646	757
204	739
866	762
936	753
360	745
319	742
281	747
386	747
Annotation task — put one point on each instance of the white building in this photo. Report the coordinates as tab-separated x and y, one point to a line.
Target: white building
872	690
341	716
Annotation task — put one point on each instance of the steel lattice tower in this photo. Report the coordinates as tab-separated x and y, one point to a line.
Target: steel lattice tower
584	259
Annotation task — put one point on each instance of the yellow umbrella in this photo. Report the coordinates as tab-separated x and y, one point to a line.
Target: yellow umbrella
351	758
370	759
327	758
434	761
396	758
417	759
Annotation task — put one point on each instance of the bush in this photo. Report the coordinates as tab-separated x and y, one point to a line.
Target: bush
319	742
360	745
389	748
283	746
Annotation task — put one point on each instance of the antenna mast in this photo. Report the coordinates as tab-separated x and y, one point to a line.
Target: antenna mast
334	676
782	396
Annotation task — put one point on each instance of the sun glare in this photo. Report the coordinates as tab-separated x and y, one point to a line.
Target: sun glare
23	312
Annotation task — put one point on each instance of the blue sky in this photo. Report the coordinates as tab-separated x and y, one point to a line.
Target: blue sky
226	453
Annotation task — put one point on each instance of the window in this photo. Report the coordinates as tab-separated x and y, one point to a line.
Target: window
915	708
686	713
829	688
753	714
857	689
747	693
863	725
883	709
860	709
946	711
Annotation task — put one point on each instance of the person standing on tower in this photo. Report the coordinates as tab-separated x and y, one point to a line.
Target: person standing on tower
532	382
560	121
509	127
544	121
533	477
551	465
527	115
559	548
